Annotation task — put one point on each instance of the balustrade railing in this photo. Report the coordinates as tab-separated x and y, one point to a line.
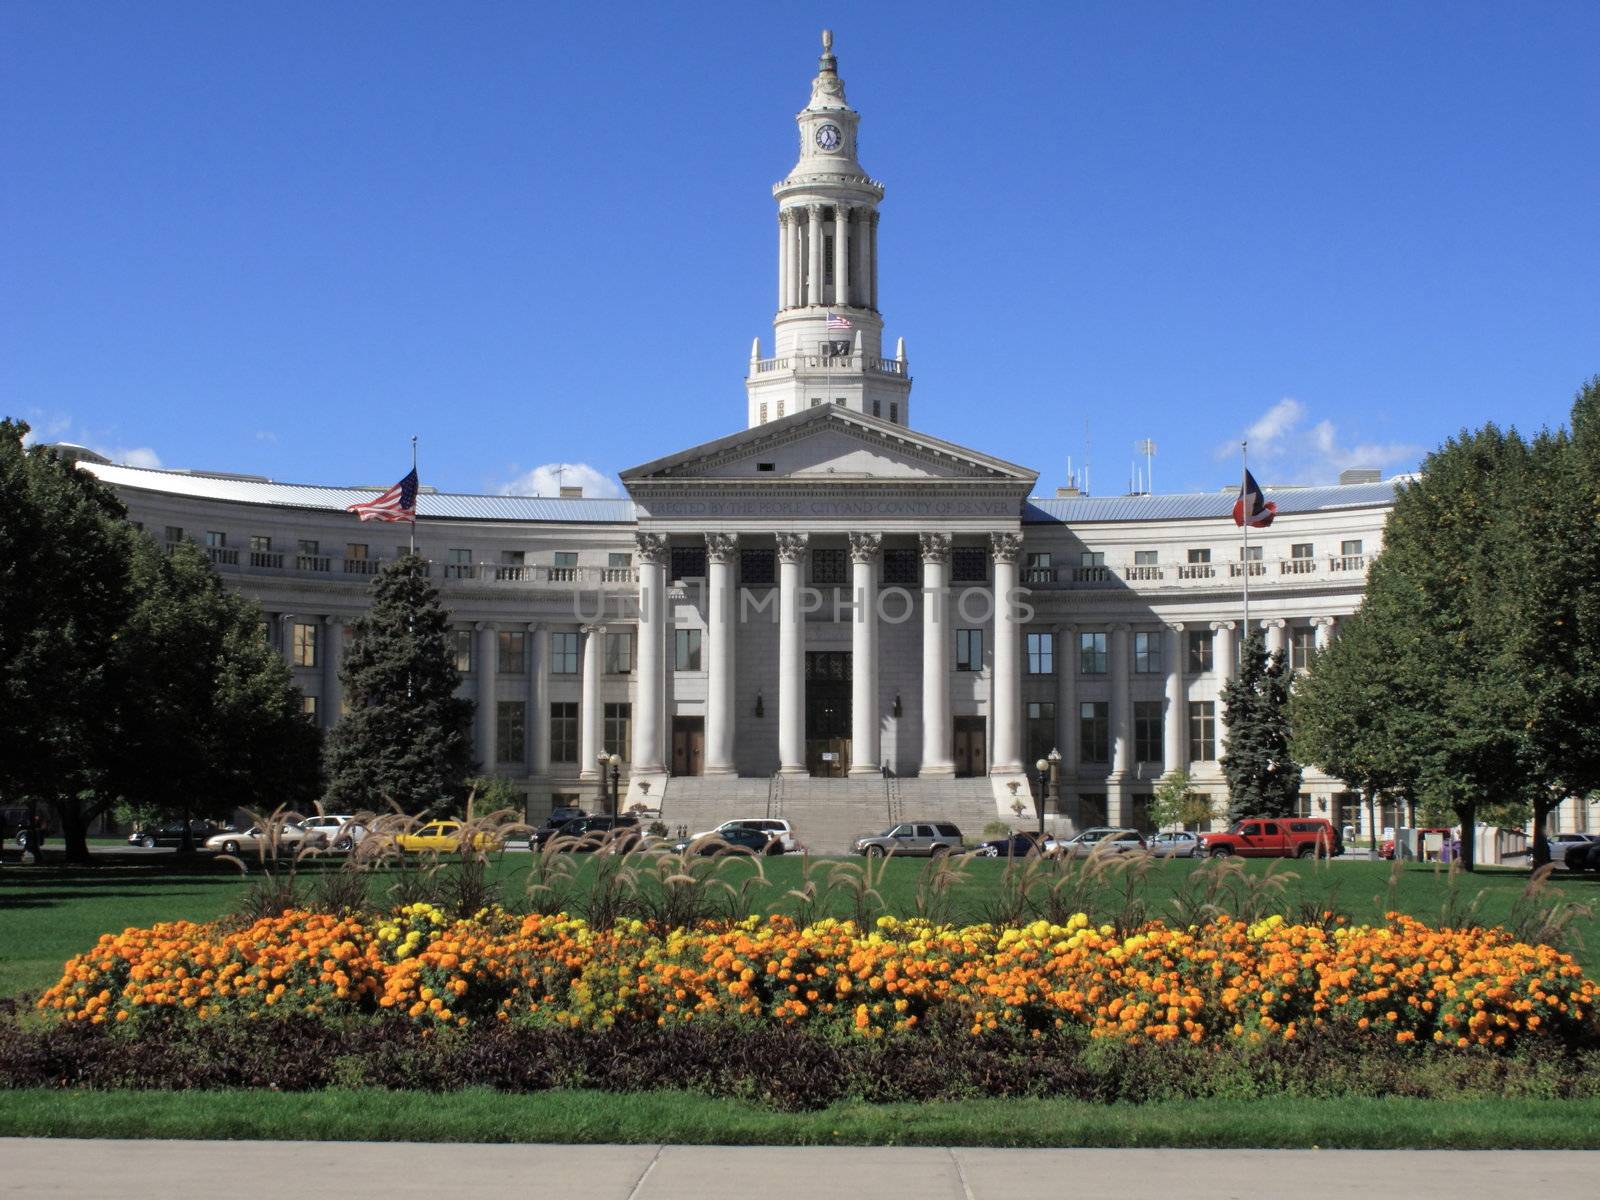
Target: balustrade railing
223	556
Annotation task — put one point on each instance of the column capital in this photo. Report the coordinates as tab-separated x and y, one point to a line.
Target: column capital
814	211
335	619
286	617
1274	623
591	629
935	547
1174	626
865	547
483	626
1006	547
1324	622
721	547
792	546
1119	627
1224	625
1066	630
652	548
785	216
535	626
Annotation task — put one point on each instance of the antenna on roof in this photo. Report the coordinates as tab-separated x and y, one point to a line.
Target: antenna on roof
1086	456
1147	448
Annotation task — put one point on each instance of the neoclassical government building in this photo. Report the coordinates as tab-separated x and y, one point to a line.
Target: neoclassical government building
826	607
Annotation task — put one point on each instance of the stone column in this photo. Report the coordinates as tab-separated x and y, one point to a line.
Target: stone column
872	262
866	727
721	550
814	280
652	551
590	724
1067	715
286	640
783	258
841	256
332	652
1277	635
1005	690
539	700
1175	740
797	258
791	655
938	759
1223	660
1324	627
487	650
1121	708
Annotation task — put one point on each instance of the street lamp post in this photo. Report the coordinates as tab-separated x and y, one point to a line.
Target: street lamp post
1042	767
1054	759
614	761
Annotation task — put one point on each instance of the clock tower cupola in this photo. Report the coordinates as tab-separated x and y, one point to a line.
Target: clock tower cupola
828	333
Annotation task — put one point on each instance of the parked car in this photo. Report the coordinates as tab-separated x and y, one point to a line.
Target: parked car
773	826
1583	856
560	816
171	833
1101	839
1178	843
592	831
1386	847
924	838
1561	843
231	841
1285	837
746	837
445	837
1018	845
338	832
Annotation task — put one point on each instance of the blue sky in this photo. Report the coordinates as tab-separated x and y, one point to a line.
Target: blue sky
283	238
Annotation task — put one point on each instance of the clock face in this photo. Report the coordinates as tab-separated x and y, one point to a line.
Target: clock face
828	137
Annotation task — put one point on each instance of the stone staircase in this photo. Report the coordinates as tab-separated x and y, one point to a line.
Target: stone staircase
829	814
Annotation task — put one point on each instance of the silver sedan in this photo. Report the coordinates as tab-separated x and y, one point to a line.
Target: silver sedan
1179	844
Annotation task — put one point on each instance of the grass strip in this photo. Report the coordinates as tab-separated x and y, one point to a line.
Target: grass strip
477	1115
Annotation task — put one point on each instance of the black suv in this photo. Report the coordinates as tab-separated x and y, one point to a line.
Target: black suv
171	834
592	831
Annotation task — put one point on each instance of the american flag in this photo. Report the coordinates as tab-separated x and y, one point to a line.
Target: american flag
1252	508
835	321
399	503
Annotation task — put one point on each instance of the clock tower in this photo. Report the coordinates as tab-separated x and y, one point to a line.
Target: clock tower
828	335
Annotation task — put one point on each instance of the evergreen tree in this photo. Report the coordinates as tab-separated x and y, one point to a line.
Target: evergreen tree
406	738
1263	778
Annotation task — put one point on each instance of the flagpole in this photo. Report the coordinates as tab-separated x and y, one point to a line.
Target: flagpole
1244	473
419	488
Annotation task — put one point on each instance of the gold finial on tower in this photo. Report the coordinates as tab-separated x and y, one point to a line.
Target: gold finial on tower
827	89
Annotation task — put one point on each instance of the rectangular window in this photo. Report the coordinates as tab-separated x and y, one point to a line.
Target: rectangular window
1092	809
355	550
308	708
216	537
902	567
512	656
461	644
259	542
563	729
619	730
565	558
305	644
761	415
894	412
1302	647
687	650
1091	654
1253	553
969	649
175	534
1147	731
828	568
1094	731
780	408
815	401
969	564
1200	662
619	653
1092	558
1301	550
1144	558
511	732
876	406
1202	731
758	568
513	558
459	565
1147	653
1041	730
563	654
1199	556
309	547
619	561
688	562
1350	546
1041	654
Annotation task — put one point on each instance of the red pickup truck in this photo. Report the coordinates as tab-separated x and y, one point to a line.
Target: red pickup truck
1279	837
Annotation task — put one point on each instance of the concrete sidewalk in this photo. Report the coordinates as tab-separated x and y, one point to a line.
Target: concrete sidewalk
174	1170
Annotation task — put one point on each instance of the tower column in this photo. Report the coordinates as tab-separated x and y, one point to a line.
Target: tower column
866	730
783	258
652	551
720	551
814	266
1225	662
841	256
937	756
589	712
872	261
1174	758
1005	688
858	256
797	259
791	655
332	653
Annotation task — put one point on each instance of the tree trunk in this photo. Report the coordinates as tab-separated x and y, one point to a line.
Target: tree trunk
74	832
1372	821
1469	836
1541	839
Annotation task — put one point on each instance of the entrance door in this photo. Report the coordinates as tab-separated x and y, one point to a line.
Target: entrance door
828	713
688	745
972	757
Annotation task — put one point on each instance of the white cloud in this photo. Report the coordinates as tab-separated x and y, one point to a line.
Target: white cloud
1284	446
136	456
53	427
549	479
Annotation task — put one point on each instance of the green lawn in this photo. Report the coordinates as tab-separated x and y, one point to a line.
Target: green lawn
582	1116
51	912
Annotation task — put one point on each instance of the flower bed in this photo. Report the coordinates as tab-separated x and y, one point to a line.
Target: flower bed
1225	981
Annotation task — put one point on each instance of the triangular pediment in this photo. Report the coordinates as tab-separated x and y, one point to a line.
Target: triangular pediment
829	443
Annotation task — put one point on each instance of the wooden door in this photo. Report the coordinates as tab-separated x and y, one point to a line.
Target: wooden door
971	747
688	745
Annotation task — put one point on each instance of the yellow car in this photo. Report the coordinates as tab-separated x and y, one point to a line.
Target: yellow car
444	836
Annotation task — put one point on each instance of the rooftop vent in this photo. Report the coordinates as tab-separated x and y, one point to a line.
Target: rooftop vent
1070	490
572	491
1361	475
